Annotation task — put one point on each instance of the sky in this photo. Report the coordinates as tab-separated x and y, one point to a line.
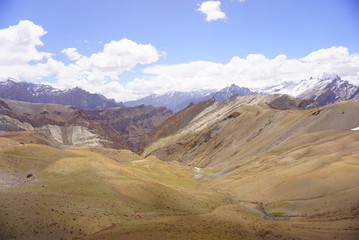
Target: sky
129	49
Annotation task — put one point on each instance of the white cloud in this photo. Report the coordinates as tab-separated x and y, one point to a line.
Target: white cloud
212	9
18	47
327	55
99	69
99	72
253	71
72	54
18	44
119	56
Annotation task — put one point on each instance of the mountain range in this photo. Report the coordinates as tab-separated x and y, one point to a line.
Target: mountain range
174	100
41	93
177	100
325	89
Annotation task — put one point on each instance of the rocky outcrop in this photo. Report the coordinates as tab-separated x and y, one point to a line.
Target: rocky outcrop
65	125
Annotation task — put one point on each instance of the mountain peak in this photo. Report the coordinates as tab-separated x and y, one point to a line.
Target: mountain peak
330	88
9	81
233	87
229	91
328	76
324	89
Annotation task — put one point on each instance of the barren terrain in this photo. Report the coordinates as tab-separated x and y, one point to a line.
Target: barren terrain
233	171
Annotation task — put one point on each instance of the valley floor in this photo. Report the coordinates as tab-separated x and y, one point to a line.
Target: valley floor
93	193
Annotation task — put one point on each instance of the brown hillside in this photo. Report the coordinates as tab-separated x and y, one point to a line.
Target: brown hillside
65	125
233	131
177	121
241	169
297	165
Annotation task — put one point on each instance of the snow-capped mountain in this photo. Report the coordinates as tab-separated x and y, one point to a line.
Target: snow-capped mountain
325	89
228	92
173	100
178	100
40	93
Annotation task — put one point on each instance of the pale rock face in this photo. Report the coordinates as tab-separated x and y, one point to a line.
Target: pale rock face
71	135
81	135
53	132
10	124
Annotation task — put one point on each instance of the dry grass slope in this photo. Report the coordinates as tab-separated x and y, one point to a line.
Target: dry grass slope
297	165
265	174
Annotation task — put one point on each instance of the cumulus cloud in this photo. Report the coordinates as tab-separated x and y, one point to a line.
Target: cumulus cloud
212	10
18	47
253	71
18	43
72	54
96	72
20	58
100	72
118	56
99	68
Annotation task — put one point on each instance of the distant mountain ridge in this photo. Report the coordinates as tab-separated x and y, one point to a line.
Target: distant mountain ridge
174	100
227	92
41	93
325	89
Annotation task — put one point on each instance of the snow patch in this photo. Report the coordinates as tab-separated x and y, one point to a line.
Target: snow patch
355	129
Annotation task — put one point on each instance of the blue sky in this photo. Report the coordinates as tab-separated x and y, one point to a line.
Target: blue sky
181	49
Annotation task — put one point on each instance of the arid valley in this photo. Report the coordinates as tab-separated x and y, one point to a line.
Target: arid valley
179	120
253	167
